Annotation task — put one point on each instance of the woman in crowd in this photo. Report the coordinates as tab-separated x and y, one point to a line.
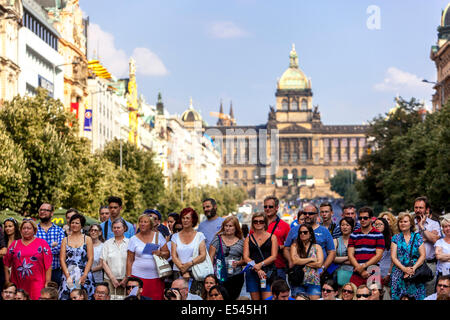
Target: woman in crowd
329	290
404	264
305	251
442	248
392	221
95	232
209	282
230	239
69	213
22	295
11	231
183	244
78	294
114	258
76	257
348	291
218	292
260	250
382	225
30	260
9	291
171	219
140	261
345	269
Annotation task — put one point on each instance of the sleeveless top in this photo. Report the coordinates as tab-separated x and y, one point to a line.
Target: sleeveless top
266	250
341	251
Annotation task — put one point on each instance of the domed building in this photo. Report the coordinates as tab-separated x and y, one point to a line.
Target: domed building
294	154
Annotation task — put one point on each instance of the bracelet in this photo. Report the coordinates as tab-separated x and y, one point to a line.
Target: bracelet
262	263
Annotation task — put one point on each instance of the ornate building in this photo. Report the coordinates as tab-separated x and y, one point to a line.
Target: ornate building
294	154
11	13
440	54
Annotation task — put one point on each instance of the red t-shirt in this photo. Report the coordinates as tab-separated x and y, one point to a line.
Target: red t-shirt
281	232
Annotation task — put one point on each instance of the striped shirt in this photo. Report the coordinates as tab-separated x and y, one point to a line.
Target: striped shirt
53	234
366	244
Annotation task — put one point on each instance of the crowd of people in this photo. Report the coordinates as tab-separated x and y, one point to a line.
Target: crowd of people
359	257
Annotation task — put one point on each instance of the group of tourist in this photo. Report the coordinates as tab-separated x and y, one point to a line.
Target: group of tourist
360	257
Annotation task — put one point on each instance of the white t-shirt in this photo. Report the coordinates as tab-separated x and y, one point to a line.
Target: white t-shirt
185	251
144	264
443	267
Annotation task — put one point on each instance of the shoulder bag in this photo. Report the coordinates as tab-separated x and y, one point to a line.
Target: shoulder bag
204	268
296	274
162	265
220	263
423	272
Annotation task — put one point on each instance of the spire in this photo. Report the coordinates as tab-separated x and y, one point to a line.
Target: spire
190	103
231	110
219	121
159	105
293	57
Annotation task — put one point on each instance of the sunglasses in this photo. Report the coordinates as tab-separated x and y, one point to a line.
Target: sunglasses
362	295
443	286
304	232
269	207
347	291
258	222
363	218
130	287
309	213
327	290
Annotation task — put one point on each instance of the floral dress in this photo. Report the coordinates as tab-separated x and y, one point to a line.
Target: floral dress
312	276
398	286
76	260
29	264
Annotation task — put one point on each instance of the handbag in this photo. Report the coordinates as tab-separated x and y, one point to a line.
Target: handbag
296	274
343	276
162	265
204	268
423	272
270	270
220	263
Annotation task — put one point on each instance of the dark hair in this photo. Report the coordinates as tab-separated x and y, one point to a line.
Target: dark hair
213	202
348	206
17	234
275	200
52	284
366	209
78	216
174	215
442	277
222	291
71	210
7	285
154	211
424	199
331	283
25	294
102	207
104	284
349	220
326	204
131	298
125	226
141	283
245	230
193	213
100	235
386	233
115	200
82	292
279	286
52	292
301	250
407	296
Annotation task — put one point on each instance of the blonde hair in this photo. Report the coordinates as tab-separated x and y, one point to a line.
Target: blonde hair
354	288
150	218
444	222
30	221
392	221
237	227
401	215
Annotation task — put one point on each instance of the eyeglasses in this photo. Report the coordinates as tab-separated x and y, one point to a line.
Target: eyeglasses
269	207
130	287
258	222
309	213
304	232
327	290
362	295
347	291
378	225
363	218
443	286
92	230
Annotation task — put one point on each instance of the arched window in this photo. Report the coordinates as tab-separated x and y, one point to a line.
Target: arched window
294	105
226	174
304	173
327	174
236	174
244	174
304	105
285	177
284	105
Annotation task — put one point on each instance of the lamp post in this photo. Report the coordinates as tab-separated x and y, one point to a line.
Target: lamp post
442	89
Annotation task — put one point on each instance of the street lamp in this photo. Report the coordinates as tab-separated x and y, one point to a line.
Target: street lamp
442	89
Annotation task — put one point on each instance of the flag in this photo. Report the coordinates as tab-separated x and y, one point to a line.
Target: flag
74	108
88	120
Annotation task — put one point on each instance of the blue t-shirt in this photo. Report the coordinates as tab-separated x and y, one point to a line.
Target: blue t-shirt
209	228
323	238
128	234
271	298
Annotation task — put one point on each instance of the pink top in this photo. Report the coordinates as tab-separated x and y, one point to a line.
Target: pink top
28	265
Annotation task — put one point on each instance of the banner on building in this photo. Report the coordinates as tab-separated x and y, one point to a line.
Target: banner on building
88	120
74	108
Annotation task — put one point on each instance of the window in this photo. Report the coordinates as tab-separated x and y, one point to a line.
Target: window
226	174
236	174
284	105
304	105
294	105
244	174
304	173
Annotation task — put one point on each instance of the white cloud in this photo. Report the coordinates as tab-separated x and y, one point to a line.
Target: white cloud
226	30
397	80
101	45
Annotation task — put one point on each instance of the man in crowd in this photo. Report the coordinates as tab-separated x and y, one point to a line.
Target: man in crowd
134	287
365	247
442	288
280	290
54	235
115	206
280	229
103	213
348	210
181	290
156	215
212	224
363	292
430	232
323	236
326	214
102	291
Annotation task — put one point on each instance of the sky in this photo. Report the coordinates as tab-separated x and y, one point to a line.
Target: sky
359	54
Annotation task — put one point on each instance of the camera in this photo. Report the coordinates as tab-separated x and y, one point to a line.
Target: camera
170	294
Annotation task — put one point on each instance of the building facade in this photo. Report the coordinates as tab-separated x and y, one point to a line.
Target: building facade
294	154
